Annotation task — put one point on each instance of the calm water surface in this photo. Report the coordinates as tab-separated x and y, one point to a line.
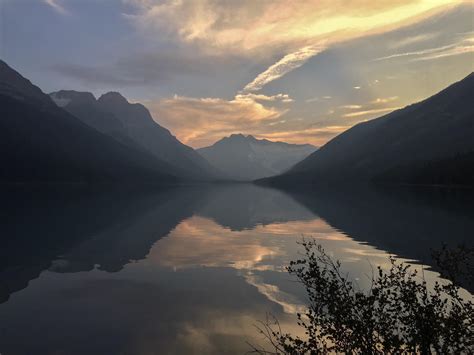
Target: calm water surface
190	270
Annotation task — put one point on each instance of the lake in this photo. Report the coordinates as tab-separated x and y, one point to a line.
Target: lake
191	270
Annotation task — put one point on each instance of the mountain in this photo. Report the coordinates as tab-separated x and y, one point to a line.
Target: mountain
405	146
84	106
41	142
15	86
133	125
106	227
139	126
246	158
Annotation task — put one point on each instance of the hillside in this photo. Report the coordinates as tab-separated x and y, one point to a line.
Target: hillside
41	142
399	146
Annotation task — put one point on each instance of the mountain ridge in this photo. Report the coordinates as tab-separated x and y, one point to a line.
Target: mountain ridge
439	127
133	125
159	141
245	158
41	142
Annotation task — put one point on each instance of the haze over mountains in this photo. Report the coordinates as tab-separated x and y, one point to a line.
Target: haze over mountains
246	158
430	142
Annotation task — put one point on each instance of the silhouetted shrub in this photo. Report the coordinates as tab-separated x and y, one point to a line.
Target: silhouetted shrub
399	313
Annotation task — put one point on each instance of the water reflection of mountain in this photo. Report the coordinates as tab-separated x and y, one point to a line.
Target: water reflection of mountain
70	230
131	238
244	206
85	227
402	221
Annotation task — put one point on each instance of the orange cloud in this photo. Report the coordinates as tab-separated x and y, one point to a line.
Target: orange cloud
370	112
317	136
202	121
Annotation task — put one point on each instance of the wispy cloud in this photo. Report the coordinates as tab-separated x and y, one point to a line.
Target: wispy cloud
317	98
285	65
407	41
260	97
295	30
458	50
352	107
315	135
384	100
369	112
56	5
464	45
370	109
247	25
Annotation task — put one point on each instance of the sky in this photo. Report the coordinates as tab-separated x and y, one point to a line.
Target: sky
284	70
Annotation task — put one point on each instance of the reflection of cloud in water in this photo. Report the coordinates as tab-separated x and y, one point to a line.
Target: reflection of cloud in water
214	269
226	330
201	242
273	293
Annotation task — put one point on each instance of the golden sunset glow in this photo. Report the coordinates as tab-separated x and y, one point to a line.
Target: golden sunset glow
300	71
236	176
285	36
247	26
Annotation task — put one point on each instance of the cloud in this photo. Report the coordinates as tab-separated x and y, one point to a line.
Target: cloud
458	50
385	100
317	98
250	26
371	109
351	107
147	68
95	75
260	97
370	112
288	63
407	41
55	4
314	135
293	30
202	121
461	46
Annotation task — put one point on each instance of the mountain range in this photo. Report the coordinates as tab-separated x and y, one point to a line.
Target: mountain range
41	142
430	142
70	136
245	158
133	125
